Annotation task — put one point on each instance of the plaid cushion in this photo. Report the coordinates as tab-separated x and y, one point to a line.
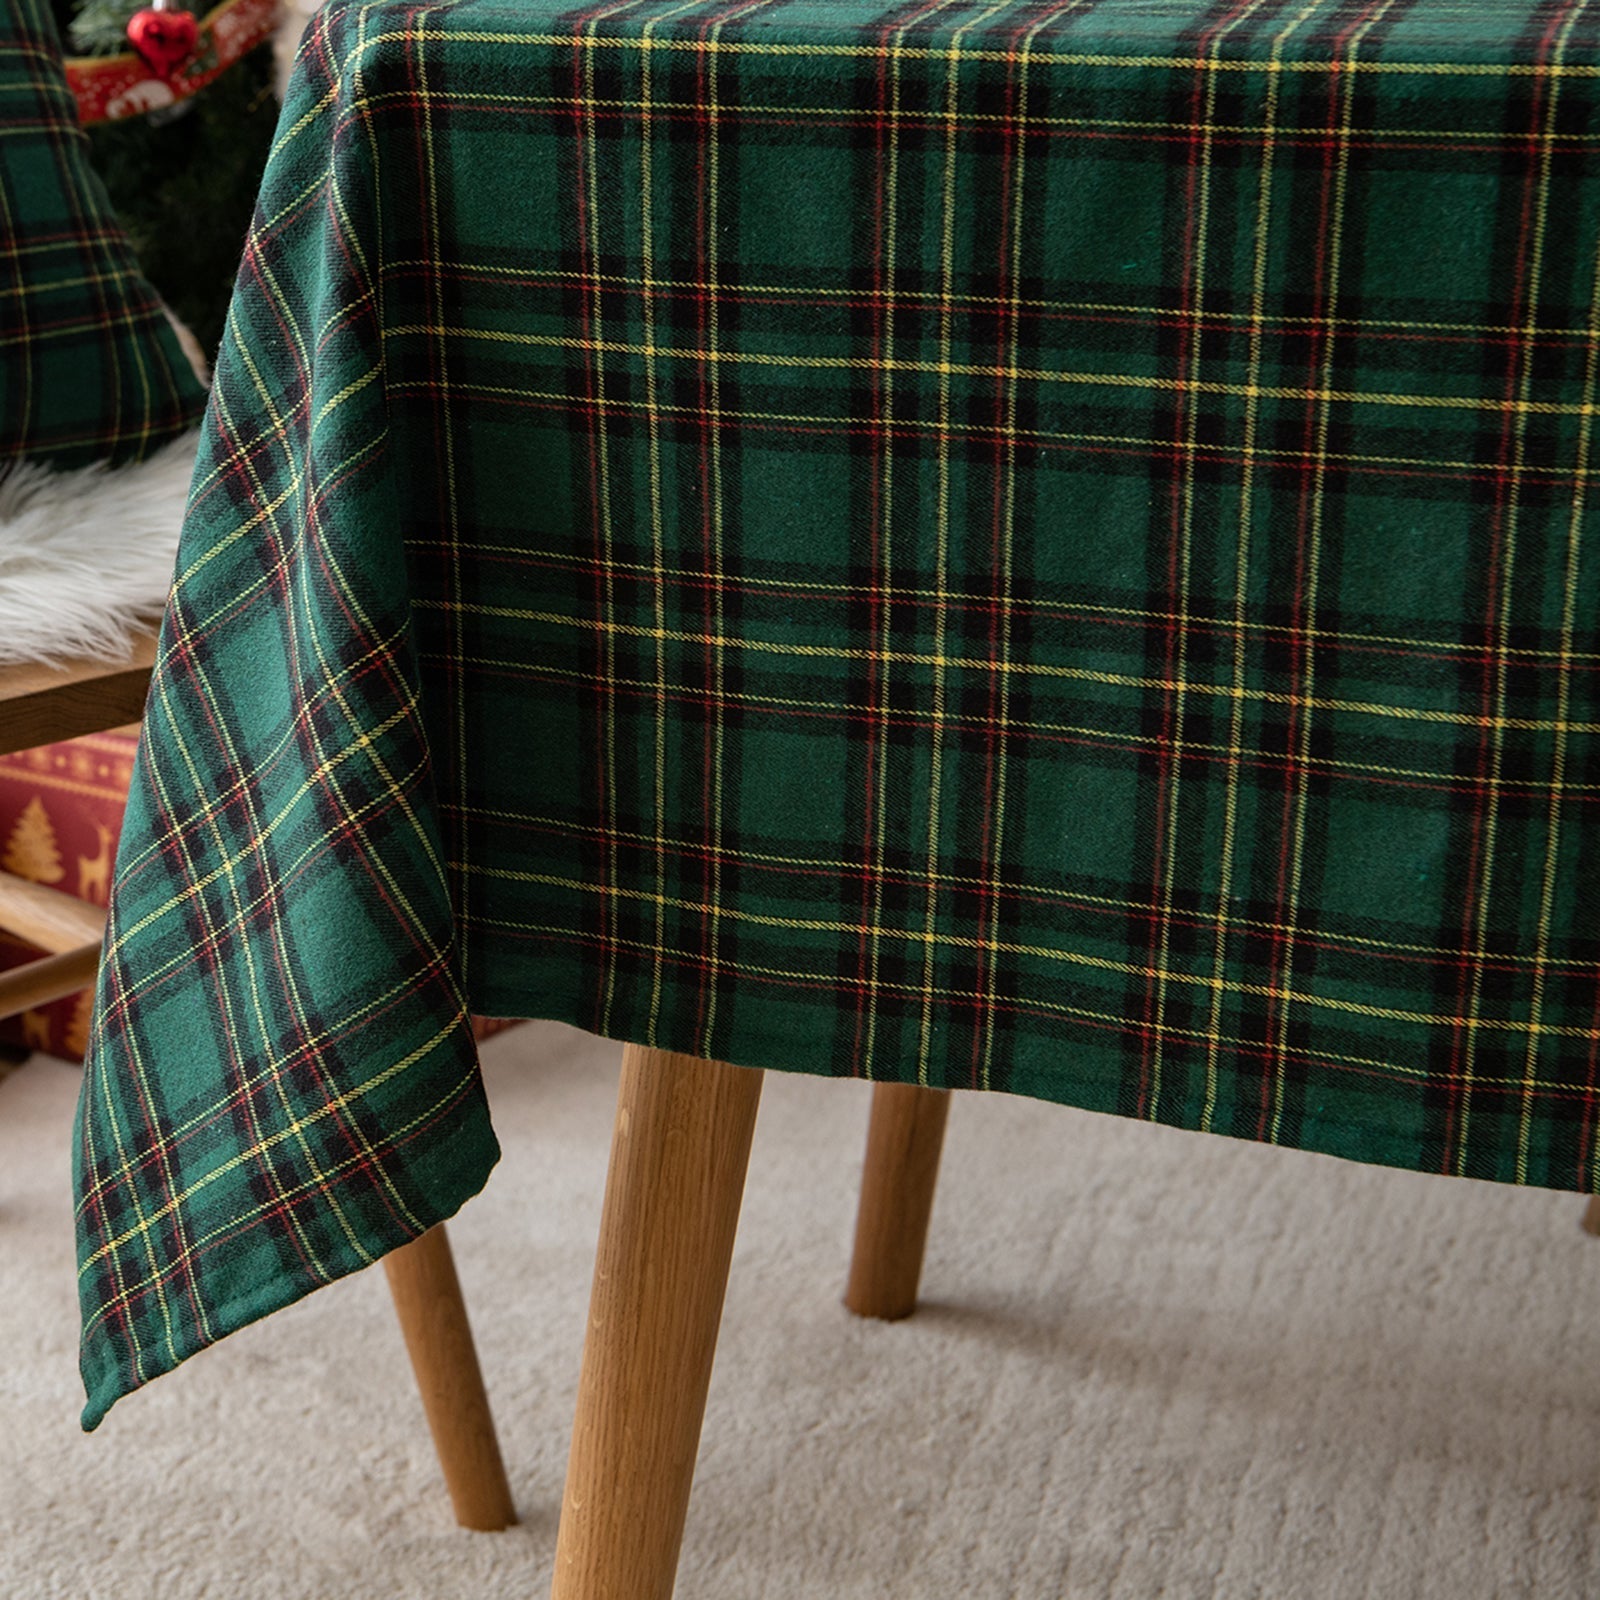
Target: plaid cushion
1040	547
89	369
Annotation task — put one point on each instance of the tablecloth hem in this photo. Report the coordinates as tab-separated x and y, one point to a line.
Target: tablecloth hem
1343	1138
107	1380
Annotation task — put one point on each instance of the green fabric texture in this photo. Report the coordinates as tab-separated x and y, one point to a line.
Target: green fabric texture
1031	547
89	369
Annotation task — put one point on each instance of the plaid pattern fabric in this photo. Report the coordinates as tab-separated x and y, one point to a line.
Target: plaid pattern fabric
89	369
1030	546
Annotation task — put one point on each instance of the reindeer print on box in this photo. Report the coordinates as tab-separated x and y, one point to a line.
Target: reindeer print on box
94	872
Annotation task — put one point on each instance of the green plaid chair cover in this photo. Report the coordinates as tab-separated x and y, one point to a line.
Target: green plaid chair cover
1037	547
89	368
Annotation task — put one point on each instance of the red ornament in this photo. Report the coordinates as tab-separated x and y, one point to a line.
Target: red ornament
165	38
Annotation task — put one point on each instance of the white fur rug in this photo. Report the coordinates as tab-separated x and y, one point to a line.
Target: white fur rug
1150	1366
86	556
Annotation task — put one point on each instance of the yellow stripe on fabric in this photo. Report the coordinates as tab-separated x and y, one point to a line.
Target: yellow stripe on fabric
443	407
802	978
1569	602
970	369
1558	757
973	118
941	530
1243	549
1318	498
776	49
647	303
1070	958
1053	894
909	295
1111	737
1060	609
1001	724
1032	669
1009	434
1168	843
712	111
1507	580
594	243
877	818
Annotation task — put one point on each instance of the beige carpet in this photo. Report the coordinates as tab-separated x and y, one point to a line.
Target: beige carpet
1150	1365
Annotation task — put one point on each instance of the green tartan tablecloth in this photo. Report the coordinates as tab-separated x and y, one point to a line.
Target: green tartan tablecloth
1039	547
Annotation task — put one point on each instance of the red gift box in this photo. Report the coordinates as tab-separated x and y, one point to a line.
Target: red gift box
60	812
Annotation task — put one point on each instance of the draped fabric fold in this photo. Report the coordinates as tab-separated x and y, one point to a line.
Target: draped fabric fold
282	1082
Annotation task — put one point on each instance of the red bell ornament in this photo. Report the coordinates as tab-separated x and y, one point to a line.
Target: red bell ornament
164	36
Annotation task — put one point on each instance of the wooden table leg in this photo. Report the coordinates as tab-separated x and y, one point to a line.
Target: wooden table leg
433	1318
904	1139
678	1158
1591	1215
